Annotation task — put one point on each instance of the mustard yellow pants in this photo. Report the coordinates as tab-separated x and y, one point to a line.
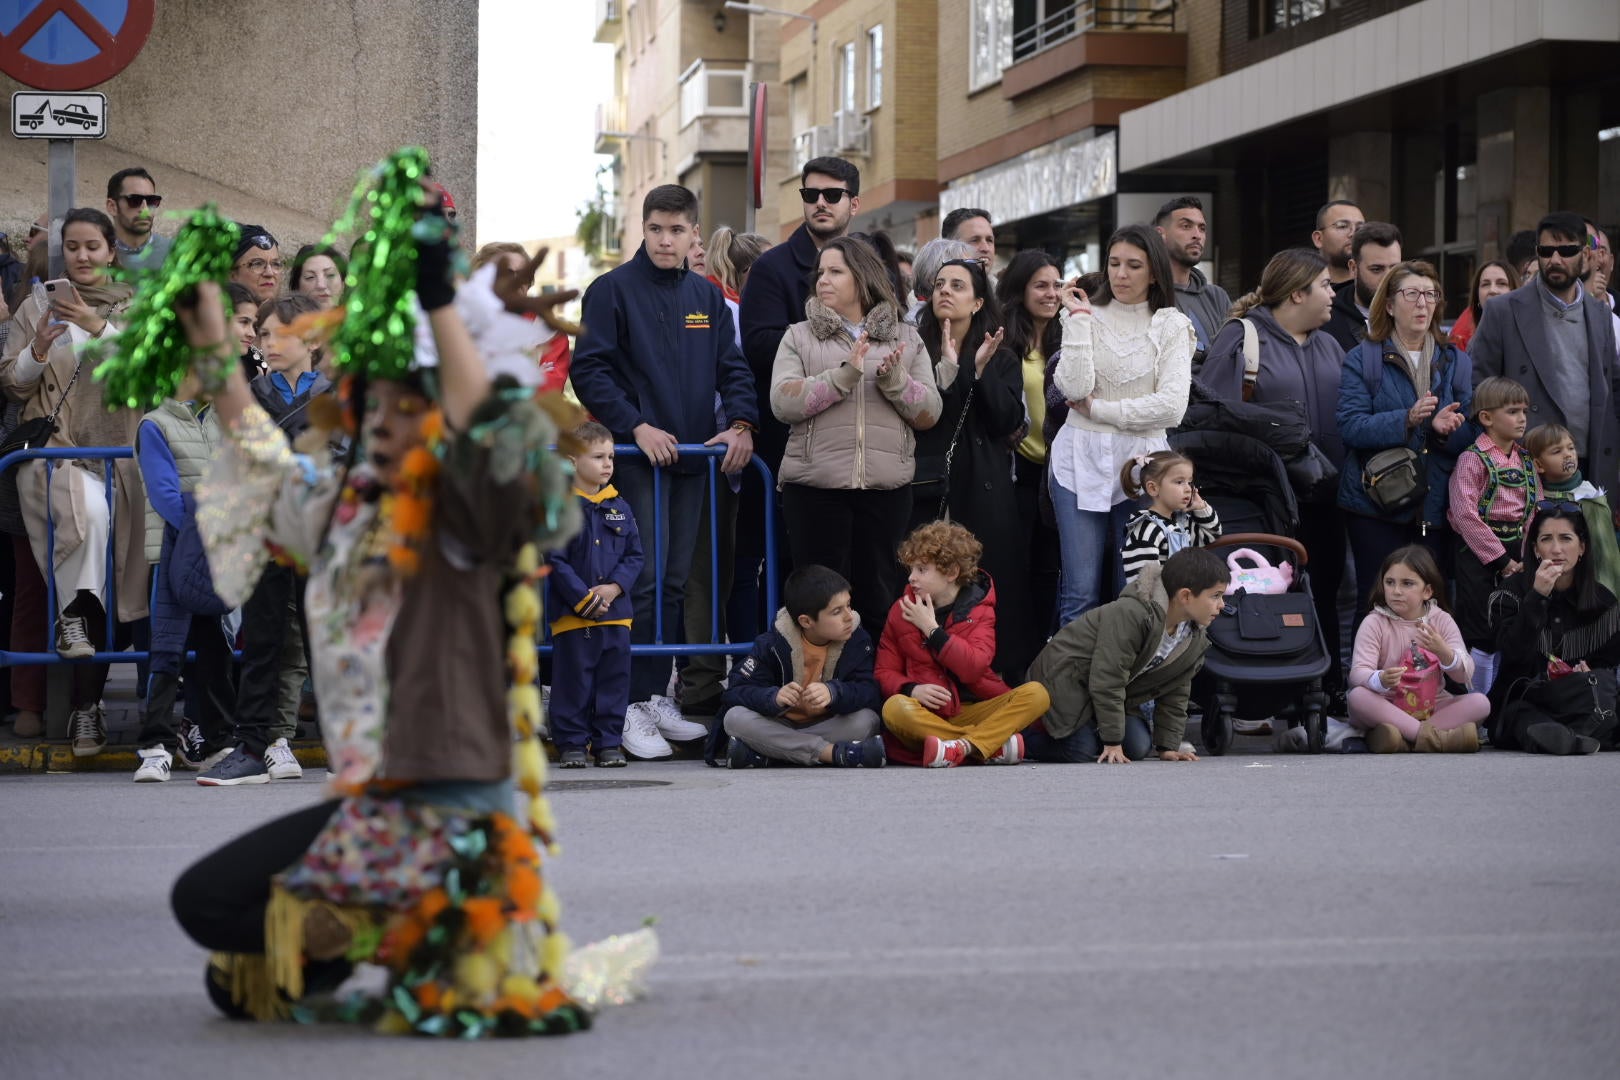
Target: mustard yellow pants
984	724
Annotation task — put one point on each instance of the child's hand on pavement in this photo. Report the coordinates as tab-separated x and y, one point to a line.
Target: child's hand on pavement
789	695
931	695
1177	755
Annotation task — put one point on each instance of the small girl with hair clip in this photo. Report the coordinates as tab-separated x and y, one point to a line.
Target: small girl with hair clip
1177	516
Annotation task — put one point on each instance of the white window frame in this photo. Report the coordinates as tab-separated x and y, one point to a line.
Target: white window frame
844	87
990	29
874	67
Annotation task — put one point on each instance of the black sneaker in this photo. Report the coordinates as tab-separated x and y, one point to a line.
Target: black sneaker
573	758
869	753
739	755
611	757
240	767
191	751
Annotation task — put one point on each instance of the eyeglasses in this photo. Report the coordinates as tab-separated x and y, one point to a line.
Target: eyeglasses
259	266
1558	505
1567	251
833	195
1413	296
34	230
135	202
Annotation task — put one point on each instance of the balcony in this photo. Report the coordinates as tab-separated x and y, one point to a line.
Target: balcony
610	126
609	25
1084	16
1123	33
713	111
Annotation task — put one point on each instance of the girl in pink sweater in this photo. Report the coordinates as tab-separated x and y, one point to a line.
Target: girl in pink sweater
1406	649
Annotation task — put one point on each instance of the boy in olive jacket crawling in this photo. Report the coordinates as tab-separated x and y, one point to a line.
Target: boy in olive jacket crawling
1141	650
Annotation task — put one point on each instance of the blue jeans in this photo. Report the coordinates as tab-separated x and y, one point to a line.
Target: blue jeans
1093	562
1086	745
677	526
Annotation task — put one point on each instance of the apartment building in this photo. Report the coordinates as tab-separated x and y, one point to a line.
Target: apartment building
679	113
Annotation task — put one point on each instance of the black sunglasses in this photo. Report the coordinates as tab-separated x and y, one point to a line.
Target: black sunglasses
1558	505
137	201
1567	251
833	195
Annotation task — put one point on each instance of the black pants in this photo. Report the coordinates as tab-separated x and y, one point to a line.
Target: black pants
1045	553
1321	530
264	631
856	533
220	900
210	689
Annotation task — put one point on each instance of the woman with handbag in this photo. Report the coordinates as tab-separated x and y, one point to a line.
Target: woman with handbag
44	367
852	381
1559	633
1401	444
1293	359
965	462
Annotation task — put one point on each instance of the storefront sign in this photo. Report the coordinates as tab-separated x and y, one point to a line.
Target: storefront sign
1075	169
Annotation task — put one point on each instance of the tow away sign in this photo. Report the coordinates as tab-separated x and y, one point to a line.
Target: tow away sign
36	114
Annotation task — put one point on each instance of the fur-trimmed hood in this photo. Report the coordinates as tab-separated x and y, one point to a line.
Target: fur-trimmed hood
882	323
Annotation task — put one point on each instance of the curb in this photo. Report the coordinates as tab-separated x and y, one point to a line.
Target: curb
44	757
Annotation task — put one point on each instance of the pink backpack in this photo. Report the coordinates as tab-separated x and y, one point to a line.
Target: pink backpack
1260	577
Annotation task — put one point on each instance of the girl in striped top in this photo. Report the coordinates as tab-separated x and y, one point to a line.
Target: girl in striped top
1177	516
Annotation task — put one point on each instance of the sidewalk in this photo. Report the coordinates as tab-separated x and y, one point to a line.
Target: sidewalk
122	707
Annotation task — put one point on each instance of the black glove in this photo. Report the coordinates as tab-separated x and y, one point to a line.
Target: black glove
435	257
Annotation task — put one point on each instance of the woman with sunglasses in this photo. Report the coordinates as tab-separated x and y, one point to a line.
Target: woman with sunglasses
1559	633
1125	369
1495	278
258	265
1381	408
965	462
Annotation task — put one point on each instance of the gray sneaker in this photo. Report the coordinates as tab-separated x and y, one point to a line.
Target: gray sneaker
88	729
240	767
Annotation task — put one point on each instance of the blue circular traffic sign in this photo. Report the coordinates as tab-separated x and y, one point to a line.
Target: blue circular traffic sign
71	44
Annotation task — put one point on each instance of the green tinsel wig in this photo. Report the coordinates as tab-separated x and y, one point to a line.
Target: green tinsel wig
152	355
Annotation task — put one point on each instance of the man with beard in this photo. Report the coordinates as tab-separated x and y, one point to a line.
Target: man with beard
1181	222
132	203
1375	248
1336	225
1559	342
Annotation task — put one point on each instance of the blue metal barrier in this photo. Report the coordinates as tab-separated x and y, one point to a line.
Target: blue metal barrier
713	454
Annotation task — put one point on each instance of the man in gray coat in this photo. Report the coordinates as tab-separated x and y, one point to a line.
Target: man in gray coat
1559	344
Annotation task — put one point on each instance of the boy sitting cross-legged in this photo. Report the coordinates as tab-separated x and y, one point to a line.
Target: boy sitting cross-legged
945	706
806	695
1141	650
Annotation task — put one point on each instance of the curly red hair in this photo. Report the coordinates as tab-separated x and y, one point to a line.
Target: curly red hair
945	546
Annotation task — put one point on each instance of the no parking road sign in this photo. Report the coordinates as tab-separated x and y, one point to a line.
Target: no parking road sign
63	45
38	115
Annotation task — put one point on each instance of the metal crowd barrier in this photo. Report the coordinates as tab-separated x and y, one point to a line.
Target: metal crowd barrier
652	540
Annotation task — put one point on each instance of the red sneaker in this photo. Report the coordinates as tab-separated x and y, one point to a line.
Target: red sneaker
944	753
1011	752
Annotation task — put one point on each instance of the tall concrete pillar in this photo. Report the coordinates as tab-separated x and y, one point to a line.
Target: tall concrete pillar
1360	169
1515	162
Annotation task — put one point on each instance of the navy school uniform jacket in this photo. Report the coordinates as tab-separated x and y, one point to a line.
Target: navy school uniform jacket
657	346
606	550
776	660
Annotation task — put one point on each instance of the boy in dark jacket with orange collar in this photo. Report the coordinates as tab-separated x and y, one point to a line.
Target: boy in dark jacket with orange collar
590	584
806	695
933	665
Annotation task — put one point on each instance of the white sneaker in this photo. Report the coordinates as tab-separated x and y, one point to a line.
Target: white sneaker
154	766
278	757
72	640
641	735
671	724
88	731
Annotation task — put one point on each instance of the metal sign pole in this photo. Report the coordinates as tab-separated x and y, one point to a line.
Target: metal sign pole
754	150
63	182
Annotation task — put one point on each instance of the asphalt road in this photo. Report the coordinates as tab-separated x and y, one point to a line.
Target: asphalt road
1252	916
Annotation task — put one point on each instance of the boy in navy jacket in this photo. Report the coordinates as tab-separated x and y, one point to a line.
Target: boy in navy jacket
806	694
589	590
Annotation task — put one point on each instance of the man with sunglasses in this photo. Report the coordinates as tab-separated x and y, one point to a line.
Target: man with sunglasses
132	203
1559	342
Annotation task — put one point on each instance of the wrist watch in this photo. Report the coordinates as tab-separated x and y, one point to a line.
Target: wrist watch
743	425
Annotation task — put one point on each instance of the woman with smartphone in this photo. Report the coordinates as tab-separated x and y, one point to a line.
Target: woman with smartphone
43	367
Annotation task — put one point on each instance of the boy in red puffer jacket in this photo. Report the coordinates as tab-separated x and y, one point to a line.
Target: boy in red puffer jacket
945	705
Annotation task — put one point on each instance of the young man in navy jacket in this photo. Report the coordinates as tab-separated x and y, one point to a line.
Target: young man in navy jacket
658	345
806	694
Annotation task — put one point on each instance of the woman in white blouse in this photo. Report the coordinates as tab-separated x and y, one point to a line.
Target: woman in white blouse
1125	370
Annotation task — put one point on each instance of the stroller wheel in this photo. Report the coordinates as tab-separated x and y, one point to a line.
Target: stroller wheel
1315	730
1216	731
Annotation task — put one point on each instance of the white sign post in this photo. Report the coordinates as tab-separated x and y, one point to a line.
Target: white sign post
40	114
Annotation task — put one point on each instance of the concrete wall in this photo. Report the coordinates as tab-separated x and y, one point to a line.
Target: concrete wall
281	106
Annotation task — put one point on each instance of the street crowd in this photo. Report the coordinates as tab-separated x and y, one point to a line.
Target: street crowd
994	541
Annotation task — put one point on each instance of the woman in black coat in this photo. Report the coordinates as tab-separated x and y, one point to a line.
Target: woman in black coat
965	462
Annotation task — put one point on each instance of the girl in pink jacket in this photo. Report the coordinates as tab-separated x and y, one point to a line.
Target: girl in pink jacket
1406	649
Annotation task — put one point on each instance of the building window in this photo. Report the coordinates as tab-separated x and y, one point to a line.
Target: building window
1040	24
844	91
989	42
1281	14
874	67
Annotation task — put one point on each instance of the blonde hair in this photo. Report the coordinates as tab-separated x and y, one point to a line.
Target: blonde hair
1381	323
493	251
732	254
1290	271
1544	437
1498	392
1139	472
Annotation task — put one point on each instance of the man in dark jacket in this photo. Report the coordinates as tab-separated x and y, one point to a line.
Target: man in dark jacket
658	346
1373	250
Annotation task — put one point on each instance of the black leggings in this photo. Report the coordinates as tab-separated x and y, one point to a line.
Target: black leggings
220	900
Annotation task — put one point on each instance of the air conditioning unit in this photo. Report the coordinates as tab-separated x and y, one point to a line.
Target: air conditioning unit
814	142
852	133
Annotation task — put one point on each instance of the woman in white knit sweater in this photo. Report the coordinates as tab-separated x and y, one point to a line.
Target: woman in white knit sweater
1125	370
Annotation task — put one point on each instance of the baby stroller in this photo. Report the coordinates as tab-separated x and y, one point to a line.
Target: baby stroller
1266	656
